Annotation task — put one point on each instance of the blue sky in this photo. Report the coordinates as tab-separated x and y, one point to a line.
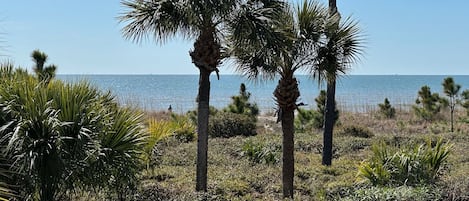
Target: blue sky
83	37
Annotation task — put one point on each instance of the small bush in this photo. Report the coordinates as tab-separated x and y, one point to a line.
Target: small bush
259	153
321	108
428	104
386	109
184	129
192	114
355	131
226	124
308	119
419	165
241	105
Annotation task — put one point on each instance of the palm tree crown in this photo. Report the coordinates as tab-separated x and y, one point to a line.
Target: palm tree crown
338	50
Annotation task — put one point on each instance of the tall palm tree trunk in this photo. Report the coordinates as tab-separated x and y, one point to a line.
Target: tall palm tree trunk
286	95
206	57
288	152
330	107
329	123
202	129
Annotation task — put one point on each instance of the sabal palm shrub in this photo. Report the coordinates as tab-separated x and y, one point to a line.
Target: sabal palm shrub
421	164
180	127
6	185
65	135
184	129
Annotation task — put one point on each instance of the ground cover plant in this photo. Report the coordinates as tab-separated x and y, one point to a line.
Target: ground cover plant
58	137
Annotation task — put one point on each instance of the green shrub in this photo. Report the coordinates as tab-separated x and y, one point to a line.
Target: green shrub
158	130
226	124
420	193
464	102
386	109
321	109
179	127
240	104
260	153
308	119
421	164
65	135
184	129
314	118
428	104
192	114
355	131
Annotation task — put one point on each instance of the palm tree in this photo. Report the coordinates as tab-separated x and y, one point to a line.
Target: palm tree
340	47
44	73
205	21
280	50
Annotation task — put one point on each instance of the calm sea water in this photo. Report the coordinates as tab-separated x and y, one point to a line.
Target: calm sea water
354	92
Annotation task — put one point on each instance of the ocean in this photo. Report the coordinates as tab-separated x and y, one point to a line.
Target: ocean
357	93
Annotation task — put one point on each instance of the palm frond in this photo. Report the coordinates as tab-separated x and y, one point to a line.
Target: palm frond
259	40
352	41
309	23
310	17
202	13
160	19
53	133
340	47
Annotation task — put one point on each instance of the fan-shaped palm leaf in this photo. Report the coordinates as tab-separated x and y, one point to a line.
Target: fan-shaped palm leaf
341	46
54	134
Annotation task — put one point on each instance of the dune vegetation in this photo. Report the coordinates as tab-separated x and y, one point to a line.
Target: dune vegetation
376	157
72	141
